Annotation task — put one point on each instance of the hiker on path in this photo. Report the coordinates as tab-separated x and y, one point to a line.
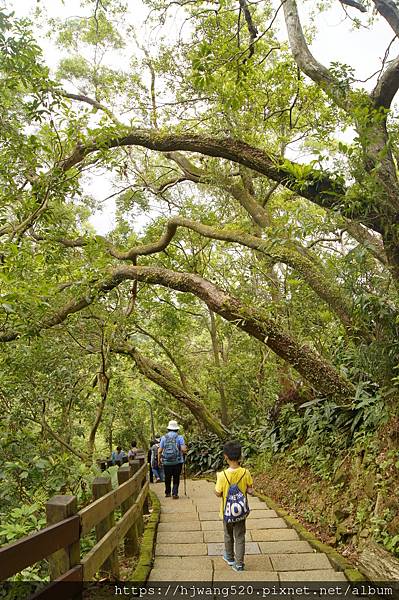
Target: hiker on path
232	486
149	459
157	468
118	455
172	449
133	450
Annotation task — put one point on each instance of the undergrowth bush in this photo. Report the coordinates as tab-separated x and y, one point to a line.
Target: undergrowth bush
316	435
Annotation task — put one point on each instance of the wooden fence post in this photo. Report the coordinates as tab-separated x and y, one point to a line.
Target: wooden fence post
131	538
146	508
135	466
101	486
142	458
59	508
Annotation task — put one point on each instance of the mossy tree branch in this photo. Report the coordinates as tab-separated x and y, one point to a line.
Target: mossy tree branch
319	372
161	376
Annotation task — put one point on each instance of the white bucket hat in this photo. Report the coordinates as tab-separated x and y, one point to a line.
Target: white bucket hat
173	426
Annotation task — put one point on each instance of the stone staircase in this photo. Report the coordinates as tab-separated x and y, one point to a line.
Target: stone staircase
190	543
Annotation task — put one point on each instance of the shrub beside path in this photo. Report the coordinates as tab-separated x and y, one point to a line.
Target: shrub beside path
190	545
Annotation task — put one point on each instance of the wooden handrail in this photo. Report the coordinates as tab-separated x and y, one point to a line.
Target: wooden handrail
98	510
58	590
35	547
21	554
95	558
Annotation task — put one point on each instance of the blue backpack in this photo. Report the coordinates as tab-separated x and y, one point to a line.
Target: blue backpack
171	450
236	507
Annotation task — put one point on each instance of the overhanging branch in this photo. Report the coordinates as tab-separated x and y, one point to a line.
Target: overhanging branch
313	184
319	372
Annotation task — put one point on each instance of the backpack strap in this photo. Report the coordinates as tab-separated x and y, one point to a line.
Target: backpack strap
224	473
245	472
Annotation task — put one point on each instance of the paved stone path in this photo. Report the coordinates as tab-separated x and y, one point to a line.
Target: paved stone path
190	543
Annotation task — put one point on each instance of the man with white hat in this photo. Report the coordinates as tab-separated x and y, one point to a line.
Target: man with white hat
171	455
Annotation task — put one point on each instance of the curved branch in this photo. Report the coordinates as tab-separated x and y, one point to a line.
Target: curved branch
315	185
293	255
390	11
387	86
60	440
318	372
354	4
161	376
168	353
288	254
92	102
305	59
252	29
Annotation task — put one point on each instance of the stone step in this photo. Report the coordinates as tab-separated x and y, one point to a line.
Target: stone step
248	576
299	562
285	547
262	513
209	516
274	523
194	574
181	549
178	507
213	515
173	517
173	537
318	575
182	563
273	535
190	544
253	562
218	536
217	549
180	526
212	525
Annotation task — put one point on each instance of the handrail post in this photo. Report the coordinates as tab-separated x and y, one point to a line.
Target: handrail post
135	465
59	508
146	508
101	486
131	539
141	458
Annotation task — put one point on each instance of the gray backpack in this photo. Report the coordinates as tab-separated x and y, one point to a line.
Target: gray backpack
171	450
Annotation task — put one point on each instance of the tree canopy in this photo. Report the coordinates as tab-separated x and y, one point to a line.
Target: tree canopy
253	255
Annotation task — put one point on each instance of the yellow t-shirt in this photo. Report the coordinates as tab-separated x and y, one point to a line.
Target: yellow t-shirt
233	475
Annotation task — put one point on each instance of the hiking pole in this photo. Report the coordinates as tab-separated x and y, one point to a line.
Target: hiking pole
184	475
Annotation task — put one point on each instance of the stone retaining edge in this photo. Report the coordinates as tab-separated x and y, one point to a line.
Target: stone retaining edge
350	572
146	556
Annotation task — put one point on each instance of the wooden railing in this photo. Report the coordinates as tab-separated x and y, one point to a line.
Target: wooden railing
59	542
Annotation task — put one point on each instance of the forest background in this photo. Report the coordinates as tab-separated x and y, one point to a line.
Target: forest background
243	276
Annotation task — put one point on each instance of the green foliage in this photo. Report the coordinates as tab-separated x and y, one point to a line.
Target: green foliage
314	436
209	79
205	454
21	521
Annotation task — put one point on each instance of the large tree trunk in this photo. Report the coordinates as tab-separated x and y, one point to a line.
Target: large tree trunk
378	564
161	376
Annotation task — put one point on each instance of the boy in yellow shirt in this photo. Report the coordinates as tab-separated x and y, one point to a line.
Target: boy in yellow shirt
234	530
